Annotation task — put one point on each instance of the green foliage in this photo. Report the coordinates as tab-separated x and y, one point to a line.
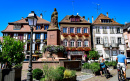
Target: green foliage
93	54
37	73
40	55
86	66
114	63
18	66
12	51
69	73
95	67
53	74
36	52
108	63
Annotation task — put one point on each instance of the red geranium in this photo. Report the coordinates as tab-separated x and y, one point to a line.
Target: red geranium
67	49
86	34
65	34
79	35
72	48
87	49
80	49
72	34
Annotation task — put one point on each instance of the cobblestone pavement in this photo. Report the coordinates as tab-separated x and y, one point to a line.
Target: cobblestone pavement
24	74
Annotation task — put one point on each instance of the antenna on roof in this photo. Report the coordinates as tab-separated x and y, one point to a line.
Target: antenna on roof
44	13
97	7
73	6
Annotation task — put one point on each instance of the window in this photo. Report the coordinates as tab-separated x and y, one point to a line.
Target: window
28	46
118	30
37	46
107	53
45	36
105	40
38	36
77	19
105	20
29	36
78	30
97	29
65	42
113	40
71	30
79	43
111	30
38	27
86	43
119	40
17	26
72	20
114	53
99	52
98	40
72	43
64	30
85	30
104	29
46	27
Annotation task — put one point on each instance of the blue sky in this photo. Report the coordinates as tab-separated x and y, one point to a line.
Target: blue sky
13	10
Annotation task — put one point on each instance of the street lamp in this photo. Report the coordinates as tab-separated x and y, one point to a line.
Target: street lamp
32	20
111	51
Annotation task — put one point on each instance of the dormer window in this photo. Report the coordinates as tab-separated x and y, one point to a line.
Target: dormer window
77	19
17	26
72	19
105	21
38	27
46	27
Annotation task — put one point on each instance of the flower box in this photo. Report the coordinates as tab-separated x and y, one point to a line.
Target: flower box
80	49
38	40
86	34
72	34
87	49
65	34
72	48
79	35
67	49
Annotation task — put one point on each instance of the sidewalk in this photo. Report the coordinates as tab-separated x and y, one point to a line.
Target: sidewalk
127	76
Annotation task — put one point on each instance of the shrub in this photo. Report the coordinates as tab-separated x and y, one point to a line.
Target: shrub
86	66
37	73
69	73
93	54
65	34
61	68
108	64
114	63
95	67
79	35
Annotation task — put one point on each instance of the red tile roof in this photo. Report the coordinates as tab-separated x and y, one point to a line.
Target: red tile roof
102	16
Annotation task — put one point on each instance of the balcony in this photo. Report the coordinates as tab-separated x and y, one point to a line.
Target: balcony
114	45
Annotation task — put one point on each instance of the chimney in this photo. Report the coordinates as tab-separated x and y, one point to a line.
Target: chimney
41	15
84	17
22	17
88	20
107	14
92	19
77	13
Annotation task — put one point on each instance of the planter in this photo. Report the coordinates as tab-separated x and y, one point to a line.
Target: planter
70	79
65	34
10	74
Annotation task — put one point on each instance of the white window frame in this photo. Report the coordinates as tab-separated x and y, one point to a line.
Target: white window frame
71	29
65	42
98	41
78	30
86	43
79	43
64	30
85	30
72	43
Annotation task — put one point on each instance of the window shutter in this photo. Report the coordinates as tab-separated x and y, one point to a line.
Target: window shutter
101	40
95	41
122	40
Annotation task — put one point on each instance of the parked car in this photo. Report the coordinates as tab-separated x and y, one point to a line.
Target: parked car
128	59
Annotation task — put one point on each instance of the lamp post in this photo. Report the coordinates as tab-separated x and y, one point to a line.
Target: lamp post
32	20
111	51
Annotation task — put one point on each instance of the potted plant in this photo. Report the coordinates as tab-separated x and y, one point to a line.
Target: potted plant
72	34
114	64
13	56
65	34
80	49
87	49
86	34
36	52
79	35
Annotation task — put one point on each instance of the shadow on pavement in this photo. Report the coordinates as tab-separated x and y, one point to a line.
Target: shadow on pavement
128	78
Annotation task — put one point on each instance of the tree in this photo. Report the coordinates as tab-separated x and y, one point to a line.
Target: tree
93	54
12	51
